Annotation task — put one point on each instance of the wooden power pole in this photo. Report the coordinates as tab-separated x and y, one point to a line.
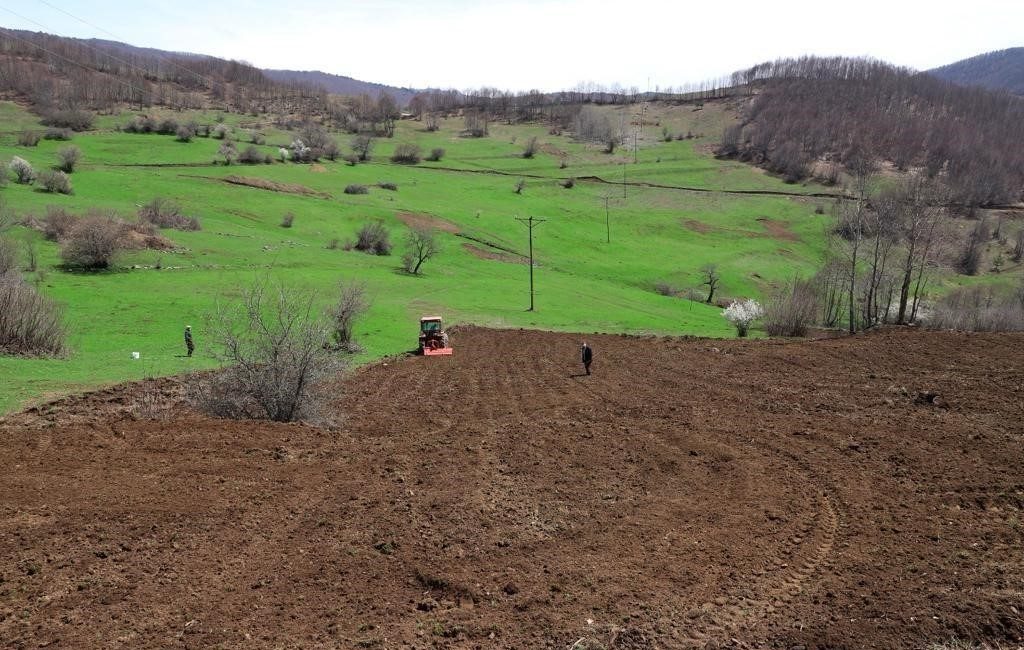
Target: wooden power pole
530	222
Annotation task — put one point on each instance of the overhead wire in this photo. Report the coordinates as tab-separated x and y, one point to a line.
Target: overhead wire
211	83
128	84
84	44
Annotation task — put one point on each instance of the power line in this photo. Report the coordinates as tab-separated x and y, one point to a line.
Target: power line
206	79
82	43
67	60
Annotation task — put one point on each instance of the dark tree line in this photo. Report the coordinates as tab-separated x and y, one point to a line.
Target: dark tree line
558	108
813	109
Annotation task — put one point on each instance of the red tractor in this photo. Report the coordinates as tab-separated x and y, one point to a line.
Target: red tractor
433	338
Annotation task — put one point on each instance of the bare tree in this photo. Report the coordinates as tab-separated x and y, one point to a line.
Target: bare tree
277	348
477	123
791	310
421	244
918	228
227	151
711	279
431	121
1018	246
970	259
352	304
362	145
853	219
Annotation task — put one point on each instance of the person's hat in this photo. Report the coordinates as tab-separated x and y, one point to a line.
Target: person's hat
188	327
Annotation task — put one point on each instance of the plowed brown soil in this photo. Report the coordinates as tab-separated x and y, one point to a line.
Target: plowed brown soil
847	493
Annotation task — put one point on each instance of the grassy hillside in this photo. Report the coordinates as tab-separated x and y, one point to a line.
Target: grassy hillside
584	284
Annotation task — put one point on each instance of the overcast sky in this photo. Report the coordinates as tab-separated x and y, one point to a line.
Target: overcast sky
542	44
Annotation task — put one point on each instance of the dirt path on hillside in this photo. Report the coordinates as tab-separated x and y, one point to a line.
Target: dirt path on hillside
848	493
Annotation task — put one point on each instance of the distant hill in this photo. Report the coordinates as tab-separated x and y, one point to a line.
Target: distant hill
56	72
340	85
1002	70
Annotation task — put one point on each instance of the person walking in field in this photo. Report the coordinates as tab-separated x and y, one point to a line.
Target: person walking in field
587	356
189	345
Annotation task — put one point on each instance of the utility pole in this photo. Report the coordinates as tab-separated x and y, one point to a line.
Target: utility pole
530	221
607	223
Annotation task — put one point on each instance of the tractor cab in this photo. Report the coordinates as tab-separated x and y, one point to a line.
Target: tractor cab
433	338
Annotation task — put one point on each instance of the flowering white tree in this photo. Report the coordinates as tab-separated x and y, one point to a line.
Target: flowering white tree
282	154
742	313
300	152
23	171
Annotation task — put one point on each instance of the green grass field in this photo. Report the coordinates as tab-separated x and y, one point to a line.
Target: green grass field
583	283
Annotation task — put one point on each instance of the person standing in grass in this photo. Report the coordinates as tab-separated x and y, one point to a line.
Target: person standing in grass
587	356
188	340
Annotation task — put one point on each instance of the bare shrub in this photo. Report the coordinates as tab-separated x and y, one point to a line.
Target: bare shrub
374	238
23	171
331	150
977	309
789	160
72	118
220	132
31	255
431	121
569	183
731	140
167	126
57	223
530	148
68	157
56	182
520	185
356	188
970	258
421	245
186	132
436	154
333	244
352	159
57	134
8	256
251	156
256	137
287	220
352	304
28	138
30	323
791	310
406	154
665	289
277	347
386	185
166	213
1018	246
92	243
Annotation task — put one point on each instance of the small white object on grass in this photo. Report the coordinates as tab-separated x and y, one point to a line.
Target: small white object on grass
135	355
